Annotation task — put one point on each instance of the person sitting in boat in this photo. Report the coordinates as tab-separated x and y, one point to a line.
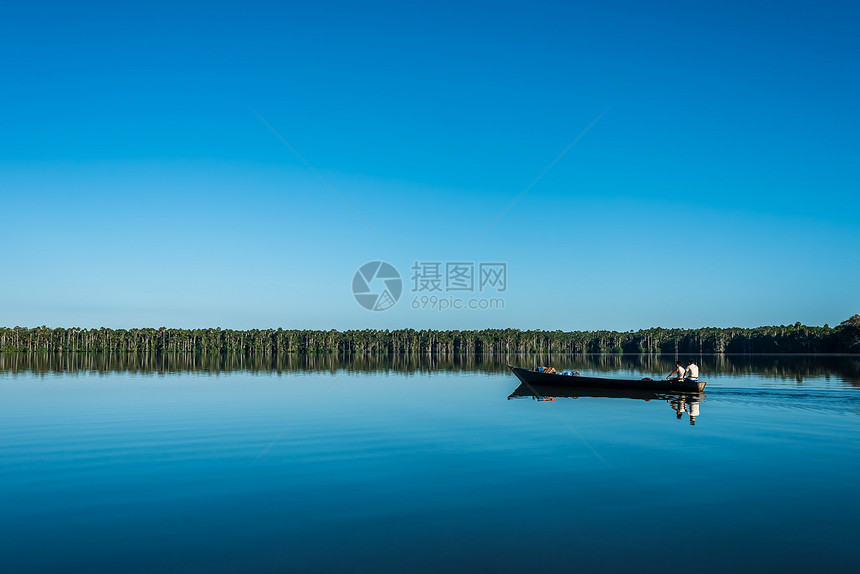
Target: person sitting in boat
693	371
547	370
679	370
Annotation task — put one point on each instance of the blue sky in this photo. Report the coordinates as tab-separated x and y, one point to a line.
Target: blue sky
718	187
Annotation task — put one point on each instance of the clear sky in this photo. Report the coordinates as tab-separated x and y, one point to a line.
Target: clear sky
713	179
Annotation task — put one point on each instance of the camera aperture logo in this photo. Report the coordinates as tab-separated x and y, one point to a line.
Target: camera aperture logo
377	286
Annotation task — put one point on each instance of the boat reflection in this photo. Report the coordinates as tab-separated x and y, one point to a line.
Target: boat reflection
688	403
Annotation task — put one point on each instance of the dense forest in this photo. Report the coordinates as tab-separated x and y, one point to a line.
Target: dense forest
797	338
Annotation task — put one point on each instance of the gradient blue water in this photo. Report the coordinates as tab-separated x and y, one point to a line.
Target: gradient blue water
422	472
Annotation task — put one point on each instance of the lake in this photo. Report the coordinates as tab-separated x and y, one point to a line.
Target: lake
417	464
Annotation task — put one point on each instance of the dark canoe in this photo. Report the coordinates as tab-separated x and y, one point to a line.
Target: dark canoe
558	380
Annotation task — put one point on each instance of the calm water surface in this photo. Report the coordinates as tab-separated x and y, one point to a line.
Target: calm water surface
121	465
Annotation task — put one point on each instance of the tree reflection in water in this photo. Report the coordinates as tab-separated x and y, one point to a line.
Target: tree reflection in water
794	368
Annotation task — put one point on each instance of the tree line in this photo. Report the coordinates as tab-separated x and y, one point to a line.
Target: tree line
797	338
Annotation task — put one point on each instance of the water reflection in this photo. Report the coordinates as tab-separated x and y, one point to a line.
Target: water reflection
160	475
793	368
688	403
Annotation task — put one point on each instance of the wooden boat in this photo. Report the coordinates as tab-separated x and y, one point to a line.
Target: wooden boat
557	379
